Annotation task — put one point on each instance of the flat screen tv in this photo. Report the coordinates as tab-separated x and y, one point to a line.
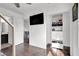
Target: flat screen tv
37	19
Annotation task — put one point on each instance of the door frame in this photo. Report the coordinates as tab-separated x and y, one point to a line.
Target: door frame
13	30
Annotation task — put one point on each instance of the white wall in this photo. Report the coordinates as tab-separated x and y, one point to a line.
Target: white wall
26	25
19	30
10	32
4	25
66	29
17	22
48	28
74	36
37	36
4	28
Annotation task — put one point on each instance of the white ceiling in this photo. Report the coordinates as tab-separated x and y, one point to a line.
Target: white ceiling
25	8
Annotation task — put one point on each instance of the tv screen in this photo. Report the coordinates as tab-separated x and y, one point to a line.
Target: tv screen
37	19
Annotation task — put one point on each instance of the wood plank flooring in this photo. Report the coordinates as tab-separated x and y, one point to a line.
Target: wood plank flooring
28	50
7	51
25	50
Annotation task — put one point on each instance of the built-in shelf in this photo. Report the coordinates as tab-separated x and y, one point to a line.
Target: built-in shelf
57	31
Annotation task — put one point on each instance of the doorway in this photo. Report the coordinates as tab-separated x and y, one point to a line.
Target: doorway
26	37
26	31
6	36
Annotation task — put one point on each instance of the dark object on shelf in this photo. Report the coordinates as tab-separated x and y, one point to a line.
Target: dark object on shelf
53	29
75	12
66	50
54	41
61	42
37	19
57	23
4	38
57	30
60	20
57	41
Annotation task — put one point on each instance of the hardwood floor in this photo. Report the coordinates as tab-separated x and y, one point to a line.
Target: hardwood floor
28	50
25	50
7	51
